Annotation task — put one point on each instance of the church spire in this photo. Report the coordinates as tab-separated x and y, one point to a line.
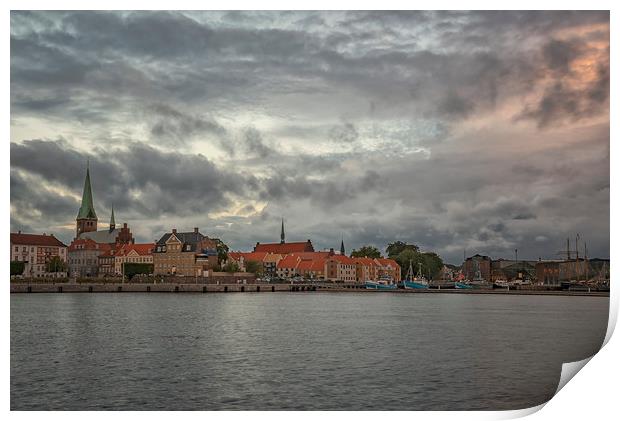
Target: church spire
112	222
86	220
87	209
342	246
282	233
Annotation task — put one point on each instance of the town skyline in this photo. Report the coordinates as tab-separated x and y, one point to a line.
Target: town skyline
374	127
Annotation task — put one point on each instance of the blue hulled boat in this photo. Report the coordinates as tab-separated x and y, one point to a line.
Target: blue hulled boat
462	285
412	282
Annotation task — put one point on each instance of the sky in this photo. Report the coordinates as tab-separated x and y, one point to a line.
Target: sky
476	132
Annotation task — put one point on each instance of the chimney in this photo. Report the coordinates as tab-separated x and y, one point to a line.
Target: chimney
125	225
19	232
196	230
174	230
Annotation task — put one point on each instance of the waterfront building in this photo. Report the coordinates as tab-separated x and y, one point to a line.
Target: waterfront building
388	268
83	257
133	253
283	247
268	261
366	269
36	251
477	267
184	253
287	266
340	268
105	264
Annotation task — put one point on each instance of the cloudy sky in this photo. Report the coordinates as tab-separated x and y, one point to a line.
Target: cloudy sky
484	131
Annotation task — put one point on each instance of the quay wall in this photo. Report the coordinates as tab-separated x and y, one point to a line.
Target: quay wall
118	287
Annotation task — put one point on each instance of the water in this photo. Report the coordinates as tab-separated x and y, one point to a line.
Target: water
295	351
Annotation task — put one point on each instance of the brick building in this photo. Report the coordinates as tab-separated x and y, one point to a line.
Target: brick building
184	253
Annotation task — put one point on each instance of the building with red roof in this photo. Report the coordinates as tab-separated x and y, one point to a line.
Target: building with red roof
83	257
133	253
388	268
36	250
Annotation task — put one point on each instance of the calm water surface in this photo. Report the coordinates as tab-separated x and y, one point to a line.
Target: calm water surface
296	351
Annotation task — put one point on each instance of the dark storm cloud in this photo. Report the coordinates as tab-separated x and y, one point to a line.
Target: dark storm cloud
166	183
174	127
375	125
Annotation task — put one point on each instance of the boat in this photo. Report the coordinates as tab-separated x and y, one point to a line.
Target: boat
501	283
462	285
379	285
412	282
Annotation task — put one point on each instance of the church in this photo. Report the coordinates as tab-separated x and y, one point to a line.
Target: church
86	221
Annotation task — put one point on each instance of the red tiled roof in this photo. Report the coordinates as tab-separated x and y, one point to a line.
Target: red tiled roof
366	261
289	261
285	248
305	264
318	265
88	244
387	262
36	240
142	249
343	259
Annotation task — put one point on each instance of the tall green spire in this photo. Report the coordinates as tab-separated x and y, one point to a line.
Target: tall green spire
282	233
342	246
87	209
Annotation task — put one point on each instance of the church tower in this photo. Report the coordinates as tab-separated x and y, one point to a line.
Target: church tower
282	233
342	246
112	222
86	220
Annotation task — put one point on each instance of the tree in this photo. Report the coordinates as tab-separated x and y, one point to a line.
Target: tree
231	267
132	269
366	251
55	264
254	267
222	252
395	248
17	268
426	262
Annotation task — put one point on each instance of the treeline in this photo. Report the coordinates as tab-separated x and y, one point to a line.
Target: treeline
430	263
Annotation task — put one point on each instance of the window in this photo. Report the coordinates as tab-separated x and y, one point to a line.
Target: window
187	247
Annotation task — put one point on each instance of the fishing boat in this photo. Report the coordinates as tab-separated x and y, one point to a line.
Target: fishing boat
412	282
380	285
463	285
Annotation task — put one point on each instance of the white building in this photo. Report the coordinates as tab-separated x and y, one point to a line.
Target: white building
36	251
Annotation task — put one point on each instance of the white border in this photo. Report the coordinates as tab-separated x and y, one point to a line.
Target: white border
591	394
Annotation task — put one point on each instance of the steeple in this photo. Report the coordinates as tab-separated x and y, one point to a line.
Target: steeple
112	222
342	246
282	233
87	210
86	220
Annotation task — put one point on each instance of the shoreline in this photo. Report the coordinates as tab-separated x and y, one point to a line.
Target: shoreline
67	287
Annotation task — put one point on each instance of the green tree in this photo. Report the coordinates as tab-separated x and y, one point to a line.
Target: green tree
55	264
132	269
426	262
254	267
222	252
17	268
395	248
231	267
366	251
